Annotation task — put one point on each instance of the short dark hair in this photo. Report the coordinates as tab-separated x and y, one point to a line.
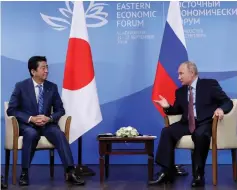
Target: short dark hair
33	63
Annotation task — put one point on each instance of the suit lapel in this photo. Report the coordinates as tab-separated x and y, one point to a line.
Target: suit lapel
186	95
185	100
46	95
32	95
198	95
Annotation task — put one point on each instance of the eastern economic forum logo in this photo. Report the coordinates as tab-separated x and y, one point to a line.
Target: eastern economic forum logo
94	12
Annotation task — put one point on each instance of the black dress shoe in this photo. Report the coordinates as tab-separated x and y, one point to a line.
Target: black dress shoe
162	178
84	171
180	171
198	181
75	179
24	179
3	185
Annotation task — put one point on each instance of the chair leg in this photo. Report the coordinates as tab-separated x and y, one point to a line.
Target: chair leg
65	175
193	163
15	152
7	160
51	154
214	166
234	163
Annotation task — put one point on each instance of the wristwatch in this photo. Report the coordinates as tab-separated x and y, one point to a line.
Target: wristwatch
51	119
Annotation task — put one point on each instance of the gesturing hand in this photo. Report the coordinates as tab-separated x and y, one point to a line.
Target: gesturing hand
162	102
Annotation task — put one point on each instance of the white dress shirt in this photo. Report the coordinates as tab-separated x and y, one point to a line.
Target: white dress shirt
36	93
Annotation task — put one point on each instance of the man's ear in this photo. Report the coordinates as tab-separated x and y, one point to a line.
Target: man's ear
32	72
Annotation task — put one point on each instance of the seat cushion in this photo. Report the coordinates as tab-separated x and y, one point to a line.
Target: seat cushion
42	144
185	142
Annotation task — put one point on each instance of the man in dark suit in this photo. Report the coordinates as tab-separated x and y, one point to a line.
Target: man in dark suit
198	100
31	103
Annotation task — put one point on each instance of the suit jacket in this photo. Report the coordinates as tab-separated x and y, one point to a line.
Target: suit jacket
23	103
209	97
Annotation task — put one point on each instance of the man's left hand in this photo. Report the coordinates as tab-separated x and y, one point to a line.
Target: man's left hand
219	113
44	118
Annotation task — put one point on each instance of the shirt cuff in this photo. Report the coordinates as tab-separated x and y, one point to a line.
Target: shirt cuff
29	119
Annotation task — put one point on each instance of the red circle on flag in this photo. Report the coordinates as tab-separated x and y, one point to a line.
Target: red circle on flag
79	70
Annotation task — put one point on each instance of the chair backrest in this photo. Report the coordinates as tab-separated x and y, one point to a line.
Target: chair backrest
5	112
5	107
234	102
8	129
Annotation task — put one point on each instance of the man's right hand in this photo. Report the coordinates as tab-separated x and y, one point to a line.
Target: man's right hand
162	102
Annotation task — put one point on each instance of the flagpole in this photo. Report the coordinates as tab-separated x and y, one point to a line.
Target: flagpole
82	170
79	150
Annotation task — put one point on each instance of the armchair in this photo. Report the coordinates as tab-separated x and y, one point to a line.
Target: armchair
224	136
13	142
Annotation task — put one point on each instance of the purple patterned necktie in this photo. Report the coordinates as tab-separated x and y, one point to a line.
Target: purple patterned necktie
191	120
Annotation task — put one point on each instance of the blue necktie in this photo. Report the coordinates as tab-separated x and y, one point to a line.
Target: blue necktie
40	99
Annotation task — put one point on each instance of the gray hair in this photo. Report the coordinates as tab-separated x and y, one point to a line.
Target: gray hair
191	67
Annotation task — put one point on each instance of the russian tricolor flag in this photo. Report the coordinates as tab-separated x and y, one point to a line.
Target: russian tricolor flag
173	52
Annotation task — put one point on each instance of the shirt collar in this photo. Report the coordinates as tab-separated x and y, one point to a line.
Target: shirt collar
35	83
194	83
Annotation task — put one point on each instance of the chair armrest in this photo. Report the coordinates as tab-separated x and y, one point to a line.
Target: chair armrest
64	124
170	119
12	132
224	132
214	132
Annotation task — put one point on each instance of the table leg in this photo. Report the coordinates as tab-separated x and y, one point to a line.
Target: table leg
102	150
150	166
102	161
150	150
106	166
108	150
